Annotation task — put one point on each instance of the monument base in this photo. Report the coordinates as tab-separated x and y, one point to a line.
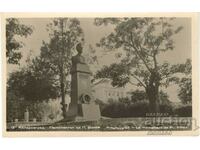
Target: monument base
88	112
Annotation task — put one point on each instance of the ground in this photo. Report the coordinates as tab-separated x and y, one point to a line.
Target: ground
110	124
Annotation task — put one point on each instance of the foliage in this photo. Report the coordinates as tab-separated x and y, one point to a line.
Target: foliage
13	29
119	109
164	98
48	111
185	93
46	76
137	106
65	34
166	109
142	39
15	106
185	84
138	95
34	83
30	85
117	72
125	108
184	111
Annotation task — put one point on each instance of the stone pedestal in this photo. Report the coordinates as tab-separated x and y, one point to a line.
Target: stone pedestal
26	116
82	106
89	112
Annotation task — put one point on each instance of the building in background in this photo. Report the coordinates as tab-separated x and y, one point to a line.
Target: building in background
103	90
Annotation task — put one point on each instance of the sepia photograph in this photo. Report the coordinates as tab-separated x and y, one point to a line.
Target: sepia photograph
100	74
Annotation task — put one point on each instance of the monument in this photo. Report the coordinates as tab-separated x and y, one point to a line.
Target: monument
82	106
26	115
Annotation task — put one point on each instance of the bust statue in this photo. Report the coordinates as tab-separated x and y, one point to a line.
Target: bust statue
78	58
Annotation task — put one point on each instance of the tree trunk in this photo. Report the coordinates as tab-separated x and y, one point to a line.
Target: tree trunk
64	108
152	91
62	86
153	96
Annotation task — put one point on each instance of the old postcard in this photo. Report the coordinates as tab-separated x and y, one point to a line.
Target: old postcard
100	74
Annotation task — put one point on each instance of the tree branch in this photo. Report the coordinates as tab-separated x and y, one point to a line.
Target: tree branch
134	76
155	61
136	50
145	51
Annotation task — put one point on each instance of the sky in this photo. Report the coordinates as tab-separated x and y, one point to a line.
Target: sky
93	34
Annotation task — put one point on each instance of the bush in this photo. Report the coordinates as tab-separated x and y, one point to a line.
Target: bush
138	95
48	110
113	110
166	108
128	108
118	109
184	111
139	109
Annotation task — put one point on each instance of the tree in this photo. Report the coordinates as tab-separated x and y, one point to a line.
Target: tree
65	34
142	40
30	85
13	29
185	84
34	82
